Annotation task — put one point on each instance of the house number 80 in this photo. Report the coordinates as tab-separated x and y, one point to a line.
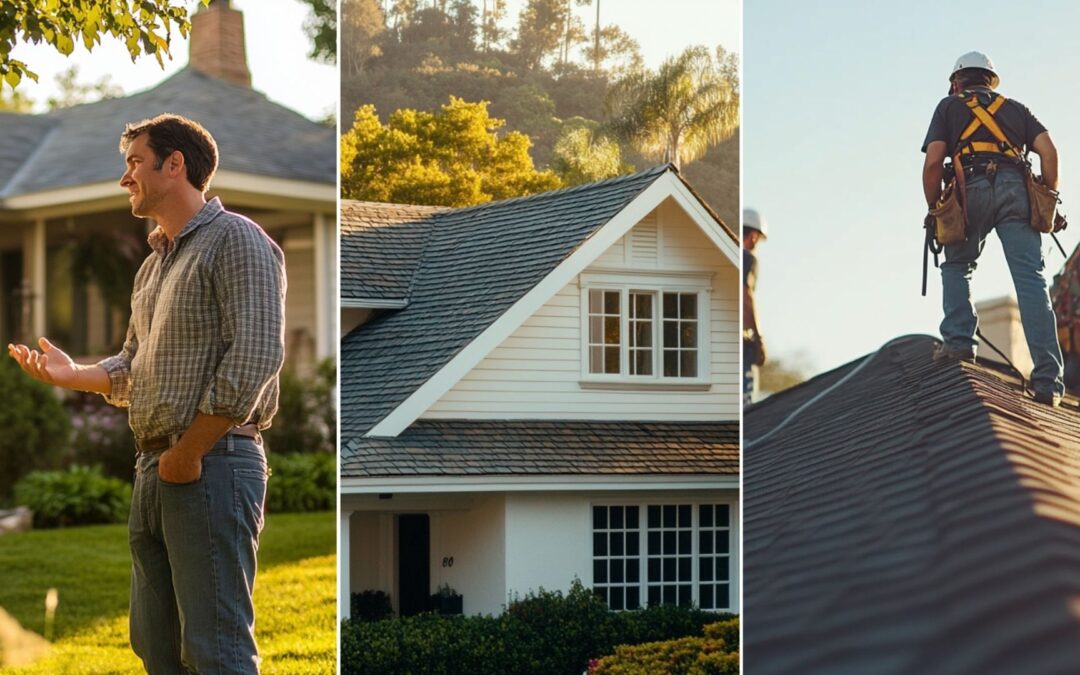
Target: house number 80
448	562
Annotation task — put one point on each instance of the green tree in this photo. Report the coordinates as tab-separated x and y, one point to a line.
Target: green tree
615	53
583	155
15	101
34	427
73	92
677	113
540	32
145	27
321	28
491	32
453	157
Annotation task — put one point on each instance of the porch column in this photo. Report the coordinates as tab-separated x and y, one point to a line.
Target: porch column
34	248
344	582
325	238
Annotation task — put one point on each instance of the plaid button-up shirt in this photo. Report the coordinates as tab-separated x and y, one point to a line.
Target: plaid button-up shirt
207	330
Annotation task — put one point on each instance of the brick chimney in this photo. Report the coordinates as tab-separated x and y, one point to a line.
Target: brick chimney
217	43
999	321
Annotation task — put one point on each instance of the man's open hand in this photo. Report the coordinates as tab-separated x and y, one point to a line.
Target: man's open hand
51	365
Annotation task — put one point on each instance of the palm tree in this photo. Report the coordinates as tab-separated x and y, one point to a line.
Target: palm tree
676	114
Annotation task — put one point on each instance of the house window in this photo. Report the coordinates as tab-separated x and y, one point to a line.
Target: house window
616	557
677	554
643	333
604	331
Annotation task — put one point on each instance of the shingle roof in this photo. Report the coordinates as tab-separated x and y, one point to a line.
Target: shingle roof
254	135
919	518
551	447
383	244
477	263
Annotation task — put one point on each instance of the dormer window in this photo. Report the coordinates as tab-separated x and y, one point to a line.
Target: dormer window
644	332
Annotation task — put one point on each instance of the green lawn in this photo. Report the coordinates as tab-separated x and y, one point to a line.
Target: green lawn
91	568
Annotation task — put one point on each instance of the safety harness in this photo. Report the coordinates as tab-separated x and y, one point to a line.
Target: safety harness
982	116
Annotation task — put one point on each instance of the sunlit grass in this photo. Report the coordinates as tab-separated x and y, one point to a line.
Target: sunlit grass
294	595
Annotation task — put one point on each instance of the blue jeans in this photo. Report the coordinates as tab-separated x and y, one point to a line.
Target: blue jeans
193	552
1000	202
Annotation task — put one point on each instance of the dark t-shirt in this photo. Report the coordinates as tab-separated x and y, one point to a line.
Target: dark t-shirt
749	269
952	116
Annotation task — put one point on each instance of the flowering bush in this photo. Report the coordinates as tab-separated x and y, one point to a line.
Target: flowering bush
101	436
714	654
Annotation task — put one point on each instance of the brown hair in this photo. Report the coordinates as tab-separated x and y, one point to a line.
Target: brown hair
171	133
973	77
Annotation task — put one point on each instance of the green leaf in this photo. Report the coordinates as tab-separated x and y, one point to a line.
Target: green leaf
13	78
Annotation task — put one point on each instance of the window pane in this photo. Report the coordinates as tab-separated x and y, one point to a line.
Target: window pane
654	569
688	364
669	542
599	543
705	515
705	569
611	330
616	517
642	334
722	572
707	597
599	518
688	335
643	305
617	598
616	543
599	571
654	516
684	515
611	302
706	542
596	330
617	571
669	515
642	362
596	303
631	543
633	600
654	542
632	518
684	568
611	360
654	596
671	334
669	595
685	597
722	591
633	572
688	305
669	569
722	543
722	517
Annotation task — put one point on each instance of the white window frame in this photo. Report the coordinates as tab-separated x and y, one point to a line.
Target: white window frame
695	504
656	284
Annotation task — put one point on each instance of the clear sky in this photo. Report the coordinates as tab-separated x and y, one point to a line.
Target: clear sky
837	99
665	28
277	53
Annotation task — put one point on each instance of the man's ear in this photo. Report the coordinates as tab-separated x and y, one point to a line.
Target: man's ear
175	164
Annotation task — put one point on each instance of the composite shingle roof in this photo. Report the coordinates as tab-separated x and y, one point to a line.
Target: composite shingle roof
78	145
919	518
382	244
476	263
548	447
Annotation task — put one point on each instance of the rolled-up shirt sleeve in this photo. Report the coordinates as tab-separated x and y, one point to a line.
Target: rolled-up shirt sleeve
249	287
119	369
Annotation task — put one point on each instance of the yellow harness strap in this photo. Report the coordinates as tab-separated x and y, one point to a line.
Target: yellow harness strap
985	117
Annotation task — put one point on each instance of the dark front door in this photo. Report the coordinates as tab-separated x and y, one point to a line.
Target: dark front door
414	563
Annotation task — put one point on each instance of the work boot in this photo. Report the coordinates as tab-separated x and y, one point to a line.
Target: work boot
1048	397
943	352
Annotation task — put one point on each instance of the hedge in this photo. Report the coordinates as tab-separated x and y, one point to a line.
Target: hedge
79	496
714	654
546	632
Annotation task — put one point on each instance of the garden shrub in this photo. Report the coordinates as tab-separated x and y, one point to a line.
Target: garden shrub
370	606
35	426
306	418
79	496
302	482
101	436
708	655
545	632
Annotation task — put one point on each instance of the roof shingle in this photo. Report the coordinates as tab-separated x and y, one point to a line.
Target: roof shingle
919	518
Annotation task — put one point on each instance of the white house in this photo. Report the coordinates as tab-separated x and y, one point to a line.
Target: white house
61	203
538	390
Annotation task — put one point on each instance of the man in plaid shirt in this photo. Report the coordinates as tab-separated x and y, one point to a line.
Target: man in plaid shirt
199	373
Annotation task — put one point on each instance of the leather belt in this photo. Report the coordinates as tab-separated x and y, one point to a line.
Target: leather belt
989	167
160	443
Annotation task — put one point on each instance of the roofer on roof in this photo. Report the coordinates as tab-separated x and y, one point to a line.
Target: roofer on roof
968	126
754	229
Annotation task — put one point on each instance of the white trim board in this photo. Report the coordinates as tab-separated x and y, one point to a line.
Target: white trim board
370	303
664	186
411	484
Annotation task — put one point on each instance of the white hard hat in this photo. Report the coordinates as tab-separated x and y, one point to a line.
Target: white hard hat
977	60
753	220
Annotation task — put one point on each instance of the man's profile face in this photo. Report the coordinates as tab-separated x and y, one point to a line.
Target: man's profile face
145	184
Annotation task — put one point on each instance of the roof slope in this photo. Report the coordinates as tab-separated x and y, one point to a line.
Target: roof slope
477	263
383	244
918	518
254	135
548	447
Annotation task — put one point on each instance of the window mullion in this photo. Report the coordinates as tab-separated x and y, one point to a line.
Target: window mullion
624	333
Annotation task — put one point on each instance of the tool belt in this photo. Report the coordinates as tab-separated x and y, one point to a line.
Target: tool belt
161	443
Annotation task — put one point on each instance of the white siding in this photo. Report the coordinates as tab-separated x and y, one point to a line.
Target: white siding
475	540
536	372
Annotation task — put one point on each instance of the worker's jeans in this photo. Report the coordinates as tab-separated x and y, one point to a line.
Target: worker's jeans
1000	202
193	562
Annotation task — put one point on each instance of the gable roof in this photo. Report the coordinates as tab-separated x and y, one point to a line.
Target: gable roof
920	517
383	244
476	264
78	145
548	447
